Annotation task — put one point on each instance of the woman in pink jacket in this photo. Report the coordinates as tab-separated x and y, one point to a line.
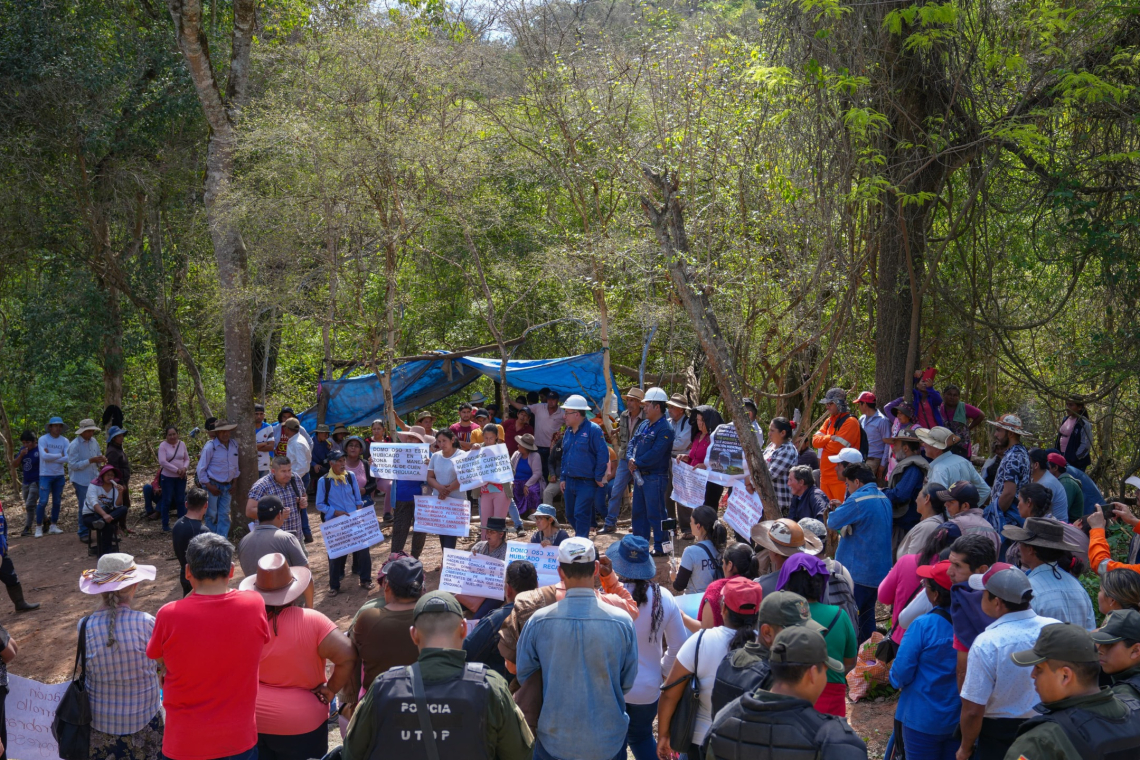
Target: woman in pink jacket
173	461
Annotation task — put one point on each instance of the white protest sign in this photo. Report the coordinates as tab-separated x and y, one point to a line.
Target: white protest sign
743	510
688	484
473	574
544	559
443	517
29	711
490	464
400	461
352	532
725	457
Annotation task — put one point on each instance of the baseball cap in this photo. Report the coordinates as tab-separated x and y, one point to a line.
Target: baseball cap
268	507
802	646
742	595
436	601
1118	626
937	573
1059	641
1058	459
481	413
405	575
576	551
291	423
785	609
965	493
849	455
1004	581
335	455
866	397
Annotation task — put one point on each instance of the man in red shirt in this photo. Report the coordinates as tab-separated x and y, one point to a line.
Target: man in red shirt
463	428
210	693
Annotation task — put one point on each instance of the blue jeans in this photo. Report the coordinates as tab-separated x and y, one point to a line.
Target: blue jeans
53	485
305	529
620	484
649	508
920	746
81	497
218	510
173	493
601	502
150	502
865	599
579	500
540	753
640	735
513	513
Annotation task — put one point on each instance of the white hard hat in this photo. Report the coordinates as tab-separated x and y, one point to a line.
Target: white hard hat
848	455
656	394
576	403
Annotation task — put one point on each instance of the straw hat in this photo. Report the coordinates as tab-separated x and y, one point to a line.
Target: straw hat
1012	423
906	434
114	571
678	401
222	425
340	429
526	441
634	393
415	431
85	425
785	537
938	437
277	583
425	414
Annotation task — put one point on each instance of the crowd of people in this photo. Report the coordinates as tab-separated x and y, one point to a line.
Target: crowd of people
992	640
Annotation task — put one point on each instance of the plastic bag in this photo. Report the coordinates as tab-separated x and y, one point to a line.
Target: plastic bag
868	671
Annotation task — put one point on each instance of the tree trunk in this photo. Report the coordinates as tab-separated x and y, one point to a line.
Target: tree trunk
167	364
893	306
112	350
326	329
390	336
604	320
9	448
668	223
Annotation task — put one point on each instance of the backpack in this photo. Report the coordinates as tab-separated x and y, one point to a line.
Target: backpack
863	446
840	594
734	679
1095	736
351	479
718	568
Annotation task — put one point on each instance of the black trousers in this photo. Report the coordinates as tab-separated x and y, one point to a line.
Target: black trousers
403	516
8	576
362	564
107	534
314	744
996	737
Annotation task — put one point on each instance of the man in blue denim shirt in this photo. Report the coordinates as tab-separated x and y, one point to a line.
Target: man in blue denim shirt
586	652
865	548
585	458
650	456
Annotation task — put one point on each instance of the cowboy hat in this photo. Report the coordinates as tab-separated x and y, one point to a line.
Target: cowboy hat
526	441
277	583
340	429
114	571
939	437
497	524
415	431
906	434
322	428
85	425
785	537
635	393
678	401
425	414
1012	423
1040	531
223	425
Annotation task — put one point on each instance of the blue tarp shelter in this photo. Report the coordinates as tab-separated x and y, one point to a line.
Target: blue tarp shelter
359	400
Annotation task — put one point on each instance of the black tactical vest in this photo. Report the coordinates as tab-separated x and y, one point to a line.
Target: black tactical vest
1095	736
457	707
732	680
742	733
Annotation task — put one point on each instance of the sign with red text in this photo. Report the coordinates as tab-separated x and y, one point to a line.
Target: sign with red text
743	510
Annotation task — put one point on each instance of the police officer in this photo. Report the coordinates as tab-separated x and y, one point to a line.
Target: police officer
441	706
1079	718
650	455
585	458
1118	646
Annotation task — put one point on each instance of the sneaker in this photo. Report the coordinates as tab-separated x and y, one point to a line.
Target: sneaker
54	530
333	592
39	531
97	525
367	584
608	529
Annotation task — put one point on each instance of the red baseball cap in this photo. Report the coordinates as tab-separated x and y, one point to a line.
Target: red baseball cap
1058	459
742	595
866	397
937	573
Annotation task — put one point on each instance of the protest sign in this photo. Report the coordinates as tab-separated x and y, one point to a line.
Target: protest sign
444	517
490	464
689	484
29	711
352	532
473	574
400	461
743	510
544	559
725	457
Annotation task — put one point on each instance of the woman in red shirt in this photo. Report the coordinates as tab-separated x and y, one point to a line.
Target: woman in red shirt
705	419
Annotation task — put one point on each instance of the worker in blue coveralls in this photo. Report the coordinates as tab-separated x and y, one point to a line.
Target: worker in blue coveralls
650	456
585	458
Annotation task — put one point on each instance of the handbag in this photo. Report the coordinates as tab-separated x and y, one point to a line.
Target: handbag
685	715
72	724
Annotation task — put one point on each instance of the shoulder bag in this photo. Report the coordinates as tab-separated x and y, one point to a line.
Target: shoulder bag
685	715
72	725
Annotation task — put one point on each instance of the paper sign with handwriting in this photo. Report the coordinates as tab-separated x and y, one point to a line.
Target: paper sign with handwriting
443	517
29	711
400	461
743	510
689	484
352	532
544	559
473	574
490	464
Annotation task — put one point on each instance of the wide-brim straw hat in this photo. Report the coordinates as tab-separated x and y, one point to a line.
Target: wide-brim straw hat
1011	423
634	393
277	583
526	441
415	431
678	401
114	571
223	425
85	425
938	437
786	537
906	434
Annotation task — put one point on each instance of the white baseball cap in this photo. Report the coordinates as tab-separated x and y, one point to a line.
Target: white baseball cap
576	403
848	455
576	551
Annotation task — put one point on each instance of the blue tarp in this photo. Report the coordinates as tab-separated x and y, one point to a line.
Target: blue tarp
359	400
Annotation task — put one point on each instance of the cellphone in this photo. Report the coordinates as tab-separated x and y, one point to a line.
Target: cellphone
669	525
1106	510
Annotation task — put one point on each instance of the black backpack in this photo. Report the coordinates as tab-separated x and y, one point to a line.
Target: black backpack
1095	736
718	568
732	680
863	446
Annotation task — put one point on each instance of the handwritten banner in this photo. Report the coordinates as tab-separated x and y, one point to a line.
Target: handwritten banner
400	461
29	711
689	484
352	532
725	456
490	464
473	574
544	559
443	517
743	510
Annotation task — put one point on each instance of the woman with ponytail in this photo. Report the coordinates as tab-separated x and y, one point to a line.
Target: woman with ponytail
701	562
739	559
781	455
659	623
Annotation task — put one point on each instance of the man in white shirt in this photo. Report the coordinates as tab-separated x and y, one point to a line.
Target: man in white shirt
548	420
53	456
263	437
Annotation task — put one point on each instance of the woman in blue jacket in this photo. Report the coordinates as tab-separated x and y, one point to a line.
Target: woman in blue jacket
925	669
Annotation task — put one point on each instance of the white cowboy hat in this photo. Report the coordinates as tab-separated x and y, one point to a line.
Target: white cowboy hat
938	437
1012	423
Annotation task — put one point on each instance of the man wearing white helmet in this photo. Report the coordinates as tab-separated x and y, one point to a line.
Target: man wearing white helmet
650	455
585	458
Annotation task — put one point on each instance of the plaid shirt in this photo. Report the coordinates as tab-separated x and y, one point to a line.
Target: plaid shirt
1057	594
121	680
781	459
290	496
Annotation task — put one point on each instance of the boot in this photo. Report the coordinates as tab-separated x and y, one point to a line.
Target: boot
16	593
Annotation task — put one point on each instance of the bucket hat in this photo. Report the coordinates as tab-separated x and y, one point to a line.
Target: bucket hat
939	437
85	425
1038	531
57	421
114	571
631	558
114	432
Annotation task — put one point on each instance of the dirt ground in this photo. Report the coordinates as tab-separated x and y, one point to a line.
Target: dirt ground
49	570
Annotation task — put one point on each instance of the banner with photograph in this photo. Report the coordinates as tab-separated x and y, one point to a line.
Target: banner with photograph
725	457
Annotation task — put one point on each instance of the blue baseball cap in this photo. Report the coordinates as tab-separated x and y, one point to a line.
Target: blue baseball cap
56	421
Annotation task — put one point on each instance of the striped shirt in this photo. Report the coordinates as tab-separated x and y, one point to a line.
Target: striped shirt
121	680
781	459
290	496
